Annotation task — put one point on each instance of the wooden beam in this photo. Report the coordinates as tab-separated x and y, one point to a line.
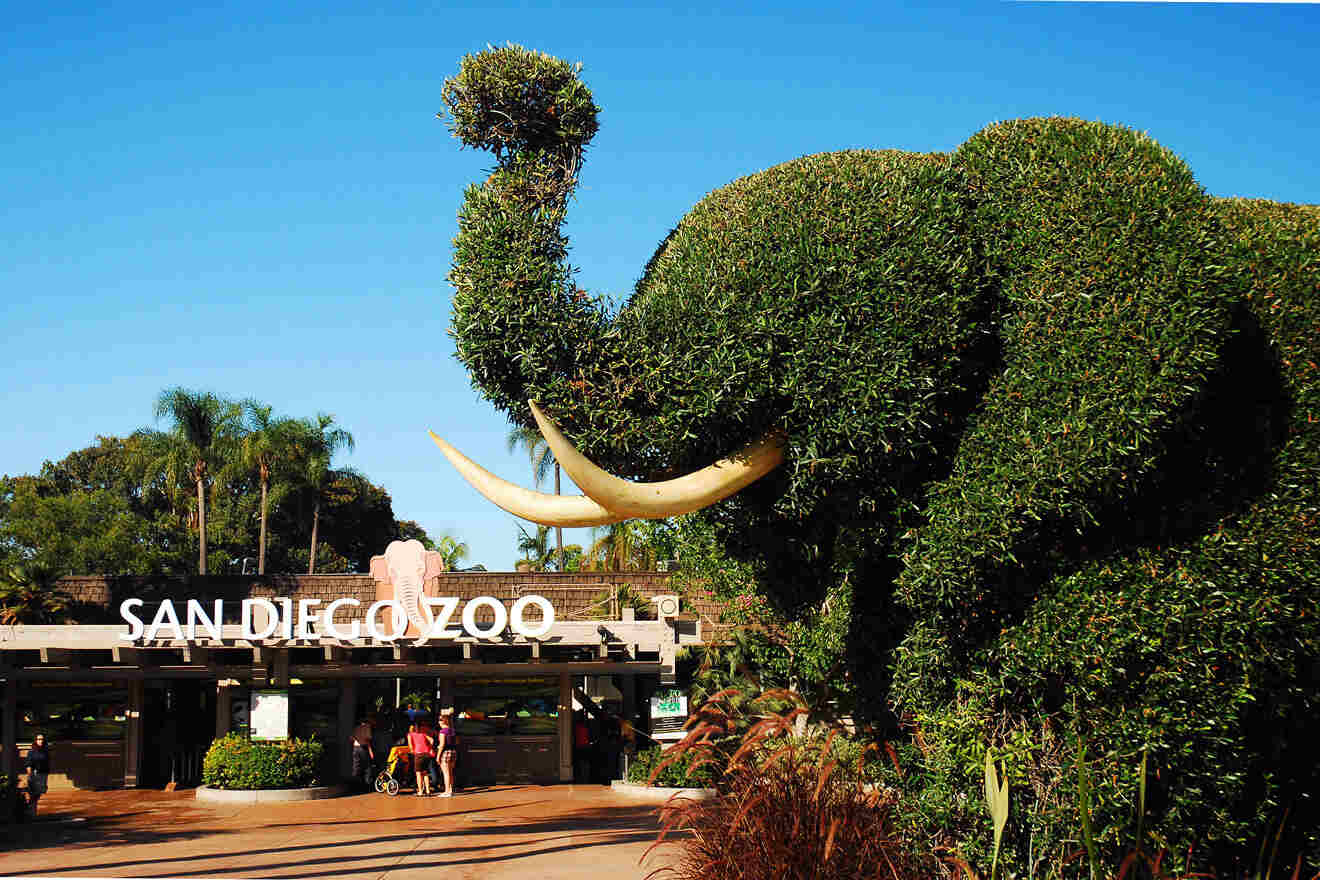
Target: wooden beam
467	670
195	656
590	705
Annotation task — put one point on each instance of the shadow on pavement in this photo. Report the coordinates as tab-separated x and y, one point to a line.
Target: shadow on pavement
430	834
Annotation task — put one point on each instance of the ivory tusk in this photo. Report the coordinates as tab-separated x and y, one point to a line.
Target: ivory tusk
569	511
669	498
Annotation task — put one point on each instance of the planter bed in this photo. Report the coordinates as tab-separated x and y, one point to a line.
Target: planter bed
268	795
657	793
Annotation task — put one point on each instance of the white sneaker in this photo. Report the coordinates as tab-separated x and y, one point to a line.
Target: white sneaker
446	794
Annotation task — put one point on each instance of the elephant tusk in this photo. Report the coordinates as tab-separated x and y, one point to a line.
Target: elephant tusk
672	497
569	511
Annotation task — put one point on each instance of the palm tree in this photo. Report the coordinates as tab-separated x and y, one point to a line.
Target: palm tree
452	550
542	461
28	595
621	546
266	442
535	549
316	442
204	436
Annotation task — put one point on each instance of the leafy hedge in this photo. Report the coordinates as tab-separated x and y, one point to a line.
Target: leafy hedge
1053	442
1185	624
235	762
677	774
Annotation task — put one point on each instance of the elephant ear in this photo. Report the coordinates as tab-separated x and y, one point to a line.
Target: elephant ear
380	569
1103	246
435	565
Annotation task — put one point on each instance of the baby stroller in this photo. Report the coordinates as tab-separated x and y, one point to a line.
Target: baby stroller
398	771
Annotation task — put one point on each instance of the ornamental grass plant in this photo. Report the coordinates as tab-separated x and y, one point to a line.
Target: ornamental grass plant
785	807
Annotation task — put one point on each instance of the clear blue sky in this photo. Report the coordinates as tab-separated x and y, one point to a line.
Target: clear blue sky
257	198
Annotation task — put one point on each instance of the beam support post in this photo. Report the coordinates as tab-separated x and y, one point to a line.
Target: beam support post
565	727
9	764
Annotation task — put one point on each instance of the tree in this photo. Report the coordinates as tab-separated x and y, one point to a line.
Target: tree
317	442
266	442
453	551
543	460
621	546
28	595
203	437
535	549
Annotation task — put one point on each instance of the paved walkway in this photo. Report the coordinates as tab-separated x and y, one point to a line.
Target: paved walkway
497	833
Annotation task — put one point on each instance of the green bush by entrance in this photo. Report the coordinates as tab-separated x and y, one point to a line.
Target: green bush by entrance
678	774
235	762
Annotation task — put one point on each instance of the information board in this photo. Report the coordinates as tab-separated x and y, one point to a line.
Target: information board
669	703
269	717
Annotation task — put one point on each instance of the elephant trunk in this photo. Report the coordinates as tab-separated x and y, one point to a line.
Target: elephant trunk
522	327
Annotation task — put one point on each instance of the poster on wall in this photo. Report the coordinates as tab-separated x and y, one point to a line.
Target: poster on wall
269	715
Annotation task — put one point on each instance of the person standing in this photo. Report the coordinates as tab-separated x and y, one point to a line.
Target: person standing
364	753
38	768
447	745
422	755
581	749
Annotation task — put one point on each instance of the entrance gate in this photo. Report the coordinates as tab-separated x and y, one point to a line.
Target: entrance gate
508	729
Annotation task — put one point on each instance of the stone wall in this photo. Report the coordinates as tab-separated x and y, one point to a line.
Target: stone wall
575	595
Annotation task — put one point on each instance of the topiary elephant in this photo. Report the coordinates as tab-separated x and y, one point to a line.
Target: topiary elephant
1047	410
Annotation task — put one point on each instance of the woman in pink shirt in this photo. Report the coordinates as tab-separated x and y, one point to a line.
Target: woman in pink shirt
422	754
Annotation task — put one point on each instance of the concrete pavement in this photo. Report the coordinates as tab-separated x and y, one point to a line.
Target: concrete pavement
496	833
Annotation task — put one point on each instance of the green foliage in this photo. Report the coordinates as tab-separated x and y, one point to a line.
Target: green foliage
512	99
28	594
1053	449
129	506
609	603
621	546
235	762
679	773
453	550
537	553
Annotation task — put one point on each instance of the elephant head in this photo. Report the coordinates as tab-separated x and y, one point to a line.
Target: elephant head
856	337
407	566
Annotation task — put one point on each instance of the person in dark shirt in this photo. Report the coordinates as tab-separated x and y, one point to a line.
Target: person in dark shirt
38	768
447	744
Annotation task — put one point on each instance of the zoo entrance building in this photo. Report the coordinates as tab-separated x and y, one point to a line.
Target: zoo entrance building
142	712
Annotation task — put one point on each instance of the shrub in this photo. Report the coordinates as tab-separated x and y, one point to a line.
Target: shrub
645	769
1185	623
235	762
787	808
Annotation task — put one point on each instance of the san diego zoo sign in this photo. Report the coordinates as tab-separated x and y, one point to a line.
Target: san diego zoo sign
289	619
